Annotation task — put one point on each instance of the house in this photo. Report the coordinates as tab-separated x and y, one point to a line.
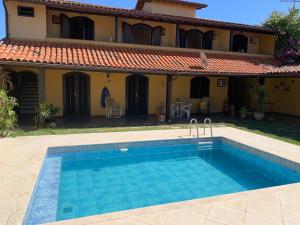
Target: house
65	52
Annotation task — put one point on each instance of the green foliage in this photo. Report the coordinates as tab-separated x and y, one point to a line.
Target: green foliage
45	112
8	117
288	24
244	111
260	96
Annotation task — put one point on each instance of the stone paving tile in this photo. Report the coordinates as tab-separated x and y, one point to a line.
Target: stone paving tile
226	215
21	159
261	219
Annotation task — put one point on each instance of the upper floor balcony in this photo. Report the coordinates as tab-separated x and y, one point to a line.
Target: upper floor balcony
144	29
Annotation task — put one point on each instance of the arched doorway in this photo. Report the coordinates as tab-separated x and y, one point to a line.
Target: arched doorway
240	43
137	95
76	87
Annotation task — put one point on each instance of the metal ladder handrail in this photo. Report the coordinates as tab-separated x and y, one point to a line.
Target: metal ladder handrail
209	121
196	123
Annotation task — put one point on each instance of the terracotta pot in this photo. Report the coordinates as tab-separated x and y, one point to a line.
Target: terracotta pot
259	115
244	116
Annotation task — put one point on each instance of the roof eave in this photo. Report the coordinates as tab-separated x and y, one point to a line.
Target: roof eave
127	70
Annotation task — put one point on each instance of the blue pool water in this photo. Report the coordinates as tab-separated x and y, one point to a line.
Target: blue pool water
101	179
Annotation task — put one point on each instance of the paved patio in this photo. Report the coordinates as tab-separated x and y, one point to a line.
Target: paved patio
21	159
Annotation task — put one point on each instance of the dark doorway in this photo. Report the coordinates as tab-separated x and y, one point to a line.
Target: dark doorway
240	43
137	95
76	94
239	92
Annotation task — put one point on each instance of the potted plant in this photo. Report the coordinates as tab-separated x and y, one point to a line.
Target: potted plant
46	115
260	96
161	113
244	112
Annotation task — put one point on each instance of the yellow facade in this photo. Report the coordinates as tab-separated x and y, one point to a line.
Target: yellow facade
169	9
115	82
284	95
26	27
41	26
217	95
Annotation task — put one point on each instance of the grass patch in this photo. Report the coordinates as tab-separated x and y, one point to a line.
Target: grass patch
286	129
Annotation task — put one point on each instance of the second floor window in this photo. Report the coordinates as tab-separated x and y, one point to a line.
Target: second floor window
78	27
239	43
196	39
141	34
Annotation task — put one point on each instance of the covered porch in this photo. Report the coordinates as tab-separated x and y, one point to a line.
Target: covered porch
142	79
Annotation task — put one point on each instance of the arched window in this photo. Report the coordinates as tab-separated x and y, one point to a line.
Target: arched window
194	39
142	34
81	28
239	43
208	38
199	87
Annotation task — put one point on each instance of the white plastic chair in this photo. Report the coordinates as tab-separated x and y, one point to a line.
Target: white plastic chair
186	109
174	111
113	109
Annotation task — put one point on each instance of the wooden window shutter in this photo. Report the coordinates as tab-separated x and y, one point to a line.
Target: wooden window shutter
127	33
64	26
156	36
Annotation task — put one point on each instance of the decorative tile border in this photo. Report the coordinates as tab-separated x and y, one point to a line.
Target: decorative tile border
55	152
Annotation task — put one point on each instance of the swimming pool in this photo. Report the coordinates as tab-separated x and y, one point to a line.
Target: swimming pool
81	181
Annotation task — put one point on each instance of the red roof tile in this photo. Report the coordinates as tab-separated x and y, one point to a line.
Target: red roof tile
150	60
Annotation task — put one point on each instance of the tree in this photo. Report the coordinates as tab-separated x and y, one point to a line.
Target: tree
288	26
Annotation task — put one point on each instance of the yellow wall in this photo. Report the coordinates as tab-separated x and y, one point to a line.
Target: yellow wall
41	26
181	91
116	83
169	9
267	44
26	27
284	93
104	25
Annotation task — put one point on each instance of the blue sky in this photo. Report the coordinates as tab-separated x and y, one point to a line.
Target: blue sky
241	11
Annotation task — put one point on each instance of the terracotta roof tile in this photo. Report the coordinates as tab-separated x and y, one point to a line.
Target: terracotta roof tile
149	60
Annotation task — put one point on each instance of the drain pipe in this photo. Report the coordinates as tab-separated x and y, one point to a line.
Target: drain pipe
6	19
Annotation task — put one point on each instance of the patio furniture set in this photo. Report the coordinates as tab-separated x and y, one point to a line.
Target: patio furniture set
179	109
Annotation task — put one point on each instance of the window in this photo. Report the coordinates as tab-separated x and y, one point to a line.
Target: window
25	11
208	38
199	87
77	28
239	43
141	34
196	39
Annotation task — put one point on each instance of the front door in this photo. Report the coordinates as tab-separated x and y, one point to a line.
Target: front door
76	94
137	95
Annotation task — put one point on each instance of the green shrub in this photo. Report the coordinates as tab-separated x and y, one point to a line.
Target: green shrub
45	113
8	117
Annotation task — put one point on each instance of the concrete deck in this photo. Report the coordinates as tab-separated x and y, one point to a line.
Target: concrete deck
21	159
